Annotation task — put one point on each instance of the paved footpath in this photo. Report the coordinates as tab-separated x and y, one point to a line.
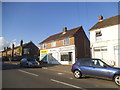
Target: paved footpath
55	67
60	68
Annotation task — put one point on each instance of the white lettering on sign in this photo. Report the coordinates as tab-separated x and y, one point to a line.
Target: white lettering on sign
53	50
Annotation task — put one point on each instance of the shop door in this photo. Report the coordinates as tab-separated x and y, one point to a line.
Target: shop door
70	57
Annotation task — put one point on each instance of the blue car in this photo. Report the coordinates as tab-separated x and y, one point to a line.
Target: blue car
96	68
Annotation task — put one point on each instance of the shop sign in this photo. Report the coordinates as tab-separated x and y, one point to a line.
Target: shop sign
67	48
43	51
53	50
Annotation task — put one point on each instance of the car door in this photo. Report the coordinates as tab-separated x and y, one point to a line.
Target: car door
85	66
99	69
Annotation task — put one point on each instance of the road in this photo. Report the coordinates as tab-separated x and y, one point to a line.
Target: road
14	76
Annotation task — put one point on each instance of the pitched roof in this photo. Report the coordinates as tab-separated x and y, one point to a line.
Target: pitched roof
23	45
61	35
20	46
107	22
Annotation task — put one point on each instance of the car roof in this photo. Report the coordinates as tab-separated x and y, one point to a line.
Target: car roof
87	59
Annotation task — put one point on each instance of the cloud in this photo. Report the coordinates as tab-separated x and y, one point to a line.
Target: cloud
3	43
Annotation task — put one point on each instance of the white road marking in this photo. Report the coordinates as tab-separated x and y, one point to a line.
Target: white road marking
67	84
29	73
71	78
60	73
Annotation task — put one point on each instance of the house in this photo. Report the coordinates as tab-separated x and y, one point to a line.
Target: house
65	47
23	50
105	41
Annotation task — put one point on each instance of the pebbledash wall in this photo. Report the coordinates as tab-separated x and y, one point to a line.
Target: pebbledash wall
53	56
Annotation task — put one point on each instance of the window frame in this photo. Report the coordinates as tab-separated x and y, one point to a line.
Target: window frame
53	44
66	41
98	35
44	45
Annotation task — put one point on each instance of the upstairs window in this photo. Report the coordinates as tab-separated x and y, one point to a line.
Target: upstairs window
26	50
66	41
53	43
98	36
44	46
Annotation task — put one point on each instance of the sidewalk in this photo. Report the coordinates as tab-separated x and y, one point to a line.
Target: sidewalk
60	68
54	67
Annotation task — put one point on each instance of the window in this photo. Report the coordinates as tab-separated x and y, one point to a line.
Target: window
103	48
98	36
44	46
66	56
97	63
84	62
26	51
53	43
66	41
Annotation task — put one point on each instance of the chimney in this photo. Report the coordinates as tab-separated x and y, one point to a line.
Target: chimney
21	42
64	30
12	50
13	46
4	48
100	18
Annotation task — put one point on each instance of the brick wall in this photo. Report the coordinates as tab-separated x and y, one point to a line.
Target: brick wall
59	43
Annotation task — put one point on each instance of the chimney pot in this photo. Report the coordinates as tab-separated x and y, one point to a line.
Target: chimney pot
13	46
100	18
21	42
64	30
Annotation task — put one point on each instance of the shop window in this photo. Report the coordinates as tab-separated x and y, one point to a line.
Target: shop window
103	48
97	49
66	41
66	56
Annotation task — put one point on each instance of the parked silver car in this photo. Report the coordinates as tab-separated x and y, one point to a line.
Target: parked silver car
29	62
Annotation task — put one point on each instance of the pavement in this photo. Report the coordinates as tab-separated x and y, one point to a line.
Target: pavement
58	67
54	67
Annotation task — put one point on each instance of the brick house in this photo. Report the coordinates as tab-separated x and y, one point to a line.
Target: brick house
65	47
23	50
105	40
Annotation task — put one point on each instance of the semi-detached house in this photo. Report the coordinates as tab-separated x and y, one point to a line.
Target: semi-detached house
105	40
65	47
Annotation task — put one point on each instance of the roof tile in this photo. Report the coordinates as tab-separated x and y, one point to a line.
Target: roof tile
107	22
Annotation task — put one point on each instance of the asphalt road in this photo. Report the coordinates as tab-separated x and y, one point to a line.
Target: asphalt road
14	76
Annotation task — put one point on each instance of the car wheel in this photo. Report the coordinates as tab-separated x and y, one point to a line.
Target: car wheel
77	74
117	79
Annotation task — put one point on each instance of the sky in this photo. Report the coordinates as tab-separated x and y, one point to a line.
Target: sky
35	21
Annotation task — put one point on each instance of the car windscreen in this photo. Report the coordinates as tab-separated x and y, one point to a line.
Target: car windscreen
29	59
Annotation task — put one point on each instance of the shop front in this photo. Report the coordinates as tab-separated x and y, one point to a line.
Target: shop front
61	55
53	56
67	54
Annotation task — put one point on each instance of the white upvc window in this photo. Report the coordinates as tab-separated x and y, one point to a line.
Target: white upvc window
66	41
98	35
53	43
44	46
